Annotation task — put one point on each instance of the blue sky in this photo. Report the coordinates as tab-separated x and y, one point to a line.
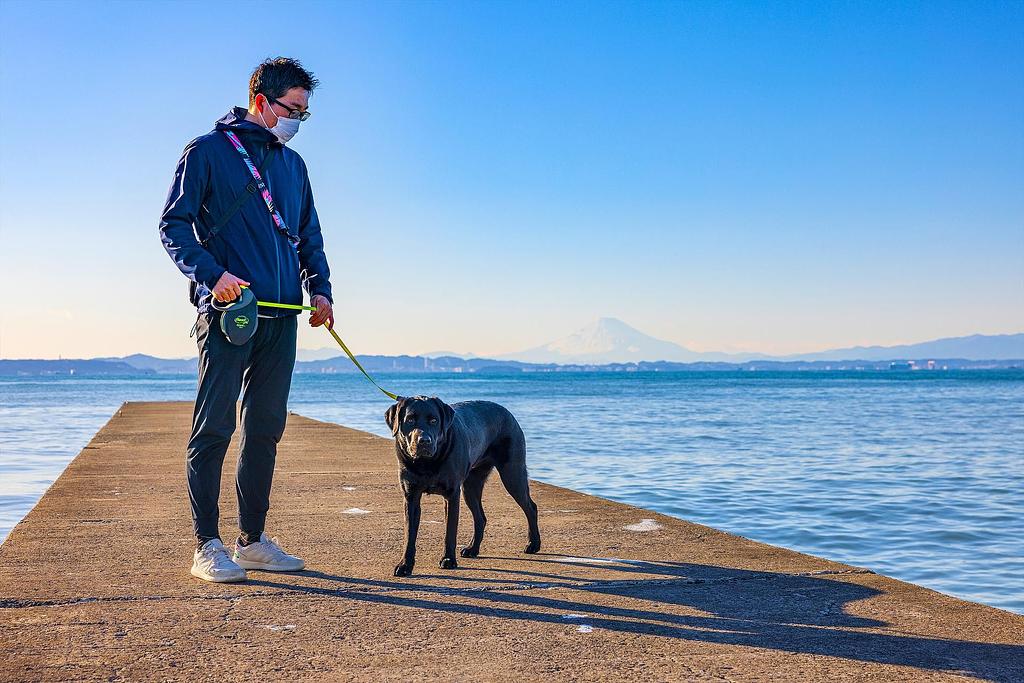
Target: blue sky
730	176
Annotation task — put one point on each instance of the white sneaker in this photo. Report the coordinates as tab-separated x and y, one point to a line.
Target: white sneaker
268	555
211	563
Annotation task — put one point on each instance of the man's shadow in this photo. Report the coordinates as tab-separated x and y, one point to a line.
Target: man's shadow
791	613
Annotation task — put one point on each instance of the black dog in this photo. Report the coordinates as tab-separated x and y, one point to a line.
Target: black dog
445	448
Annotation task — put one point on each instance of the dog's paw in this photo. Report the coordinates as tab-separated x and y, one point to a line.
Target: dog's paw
449	563
469	551
532	547
403	569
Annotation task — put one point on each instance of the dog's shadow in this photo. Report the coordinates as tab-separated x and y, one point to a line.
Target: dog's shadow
791	613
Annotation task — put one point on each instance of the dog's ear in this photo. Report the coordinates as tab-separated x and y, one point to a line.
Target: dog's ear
393	415
447	414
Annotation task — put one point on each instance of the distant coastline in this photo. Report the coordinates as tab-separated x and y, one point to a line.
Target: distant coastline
607	345
143	365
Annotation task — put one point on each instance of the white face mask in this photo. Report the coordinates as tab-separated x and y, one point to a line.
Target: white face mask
285	129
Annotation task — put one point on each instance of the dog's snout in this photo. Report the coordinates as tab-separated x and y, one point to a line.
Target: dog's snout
420	438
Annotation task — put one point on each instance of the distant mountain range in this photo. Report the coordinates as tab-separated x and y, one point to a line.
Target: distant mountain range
609	340
95	366
159	366
974	347
606	344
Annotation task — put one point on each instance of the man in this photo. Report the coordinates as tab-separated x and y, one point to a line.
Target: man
274	256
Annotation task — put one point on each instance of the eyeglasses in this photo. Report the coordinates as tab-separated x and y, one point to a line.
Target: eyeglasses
292	112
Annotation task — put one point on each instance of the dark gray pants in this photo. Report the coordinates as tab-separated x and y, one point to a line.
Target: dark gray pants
262	371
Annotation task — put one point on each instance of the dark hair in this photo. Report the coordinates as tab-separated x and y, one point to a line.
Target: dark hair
275	77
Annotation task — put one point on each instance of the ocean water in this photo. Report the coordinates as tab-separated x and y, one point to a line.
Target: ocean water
918	475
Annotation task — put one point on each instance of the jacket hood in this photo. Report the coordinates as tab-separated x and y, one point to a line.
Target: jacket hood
235	121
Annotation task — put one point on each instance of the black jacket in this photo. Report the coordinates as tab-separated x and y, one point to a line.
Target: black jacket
209	176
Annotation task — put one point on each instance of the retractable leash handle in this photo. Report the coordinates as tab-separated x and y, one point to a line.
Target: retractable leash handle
351	356
239	318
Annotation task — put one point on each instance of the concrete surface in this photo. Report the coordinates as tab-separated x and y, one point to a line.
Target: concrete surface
94	584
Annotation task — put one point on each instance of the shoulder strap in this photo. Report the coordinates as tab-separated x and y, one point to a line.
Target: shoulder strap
275	215
250	189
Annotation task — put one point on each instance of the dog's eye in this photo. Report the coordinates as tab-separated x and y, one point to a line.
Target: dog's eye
410	418
432	421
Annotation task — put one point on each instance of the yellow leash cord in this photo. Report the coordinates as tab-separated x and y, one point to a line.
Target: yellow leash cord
351	356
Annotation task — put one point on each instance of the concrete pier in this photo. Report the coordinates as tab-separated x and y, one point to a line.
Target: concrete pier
94	585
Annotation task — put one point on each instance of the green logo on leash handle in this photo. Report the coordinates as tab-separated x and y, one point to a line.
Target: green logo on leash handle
244	312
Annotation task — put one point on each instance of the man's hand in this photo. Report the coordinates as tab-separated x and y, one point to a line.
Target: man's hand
228	287
324	312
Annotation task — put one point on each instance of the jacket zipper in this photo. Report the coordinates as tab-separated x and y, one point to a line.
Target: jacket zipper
274	236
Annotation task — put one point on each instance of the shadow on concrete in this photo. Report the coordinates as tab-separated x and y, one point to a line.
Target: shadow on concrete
785	612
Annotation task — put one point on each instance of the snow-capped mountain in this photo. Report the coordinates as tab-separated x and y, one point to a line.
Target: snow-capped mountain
609	340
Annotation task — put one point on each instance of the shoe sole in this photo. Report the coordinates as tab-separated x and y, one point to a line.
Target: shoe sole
247	564
214	579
